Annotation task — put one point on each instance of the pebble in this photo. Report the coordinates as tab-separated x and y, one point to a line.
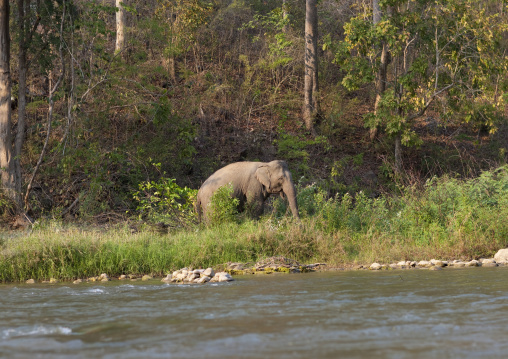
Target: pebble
146	277
375	266
30	281
77	281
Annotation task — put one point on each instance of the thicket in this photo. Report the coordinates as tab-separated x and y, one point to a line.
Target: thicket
203	83
447	218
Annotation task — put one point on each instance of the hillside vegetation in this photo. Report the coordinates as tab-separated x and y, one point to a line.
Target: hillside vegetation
199	84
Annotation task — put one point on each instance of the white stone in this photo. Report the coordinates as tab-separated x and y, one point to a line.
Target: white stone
435	268
489	264
180	277
424	264
375	266
473	263
402	263
209	272
222	277
501	256
395	266
437	263
204	279
458	264
487	260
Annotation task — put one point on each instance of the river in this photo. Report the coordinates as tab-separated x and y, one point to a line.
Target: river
348	314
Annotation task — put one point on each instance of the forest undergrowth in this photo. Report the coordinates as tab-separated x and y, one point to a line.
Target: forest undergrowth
445	219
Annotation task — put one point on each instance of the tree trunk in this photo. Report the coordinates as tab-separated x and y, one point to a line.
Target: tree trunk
120	27
384	60
398	154
22	73
7	175
311	104
285	14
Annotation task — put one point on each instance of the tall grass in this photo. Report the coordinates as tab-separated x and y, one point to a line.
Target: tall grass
447	219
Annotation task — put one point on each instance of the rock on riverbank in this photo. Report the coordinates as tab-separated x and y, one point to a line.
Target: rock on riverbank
199	276
435	264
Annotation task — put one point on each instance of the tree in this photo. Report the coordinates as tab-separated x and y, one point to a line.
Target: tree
384	59
444	54
120	26
7	175
311	104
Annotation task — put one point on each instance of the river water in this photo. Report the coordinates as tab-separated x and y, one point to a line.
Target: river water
348	314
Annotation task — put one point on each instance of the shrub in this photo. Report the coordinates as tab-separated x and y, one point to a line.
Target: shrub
223	207
165	201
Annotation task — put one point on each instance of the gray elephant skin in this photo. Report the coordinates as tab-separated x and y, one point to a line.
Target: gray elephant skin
253	183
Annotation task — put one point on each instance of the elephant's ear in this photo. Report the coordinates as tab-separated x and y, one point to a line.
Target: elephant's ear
263	176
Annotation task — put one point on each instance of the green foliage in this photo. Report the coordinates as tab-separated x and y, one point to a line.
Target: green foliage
447	219
296	148
183	20
223	207
165	201
456	35
273	25
6	205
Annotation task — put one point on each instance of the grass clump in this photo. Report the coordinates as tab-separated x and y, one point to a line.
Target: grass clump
446	219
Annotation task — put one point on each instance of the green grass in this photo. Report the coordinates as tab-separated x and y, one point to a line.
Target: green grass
446	219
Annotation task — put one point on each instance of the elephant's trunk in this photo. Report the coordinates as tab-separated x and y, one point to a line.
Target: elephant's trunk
290	192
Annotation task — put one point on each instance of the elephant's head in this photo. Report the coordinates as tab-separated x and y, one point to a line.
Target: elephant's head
276	178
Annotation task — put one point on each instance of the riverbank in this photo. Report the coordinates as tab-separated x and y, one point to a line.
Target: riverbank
55	252
447	219
282	265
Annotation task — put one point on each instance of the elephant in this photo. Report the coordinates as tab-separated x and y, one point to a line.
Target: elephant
253	183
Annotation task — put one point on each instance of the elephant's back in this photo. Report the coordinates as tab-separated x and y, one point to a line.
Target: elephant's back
235	173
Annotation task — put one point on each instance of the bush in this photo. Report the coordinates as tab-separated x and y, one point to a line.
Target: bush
223	207
164	201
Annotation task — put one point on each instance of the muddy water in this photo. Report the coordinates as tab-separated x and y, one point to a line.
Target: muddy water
356	314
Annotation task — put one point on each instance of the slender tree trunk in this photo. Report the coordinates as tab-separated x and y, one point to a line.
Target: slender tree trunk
285	14
120	26
384	60
311	104
398	154
7	175
22	73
